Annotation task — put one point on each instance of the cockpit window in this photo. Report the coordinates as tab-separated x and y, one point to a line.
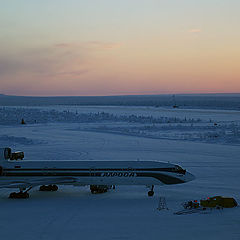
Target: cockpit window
178	169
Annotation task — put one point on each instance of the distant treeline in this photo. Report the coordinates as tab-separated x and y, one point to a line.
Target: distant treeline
212	101
15	115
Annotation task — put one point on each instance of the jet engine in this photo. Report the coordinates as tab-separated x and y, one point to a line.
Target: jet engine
5	153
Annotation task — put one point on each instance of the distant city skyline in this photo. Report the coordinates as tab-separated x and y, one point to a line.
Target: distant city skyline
110	47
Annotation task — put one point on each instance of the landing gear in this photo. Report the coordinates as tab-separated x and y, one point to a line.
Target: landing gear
151	192
48	188
20	194
99	188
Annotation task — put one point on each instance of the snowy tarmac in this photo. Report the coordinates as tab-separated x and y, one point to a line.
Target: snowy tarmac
127	212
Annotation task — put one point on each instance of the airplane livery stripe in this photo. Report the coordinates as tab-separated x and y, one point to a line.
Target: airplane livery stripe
166	179
94	169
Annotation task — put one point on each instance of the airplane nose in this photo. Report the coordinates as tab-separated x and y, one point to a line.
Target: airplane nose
189	177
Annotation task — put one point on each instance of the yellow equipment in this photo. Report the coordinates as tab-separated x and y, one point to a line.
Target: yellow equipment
219	201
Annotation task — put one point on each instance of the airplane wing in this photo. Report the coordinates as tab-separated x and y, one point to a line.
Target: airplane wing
36	182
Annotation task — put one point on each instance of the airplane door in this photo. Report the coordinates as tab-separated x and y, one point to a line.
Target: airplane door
45	171
92	171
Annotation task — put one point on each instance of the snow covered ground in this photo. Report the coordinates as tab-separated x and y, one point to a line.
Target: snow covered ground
205	142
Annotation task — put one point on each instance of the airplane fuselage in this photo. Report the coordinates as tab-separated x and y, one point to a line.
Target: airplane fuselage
96	172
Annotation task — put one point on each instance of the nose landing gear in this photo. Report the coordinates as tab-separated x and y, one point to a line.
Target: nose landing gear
151	192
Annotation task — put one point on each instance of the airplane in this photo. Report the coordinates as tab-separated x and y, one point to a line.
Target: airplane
100	175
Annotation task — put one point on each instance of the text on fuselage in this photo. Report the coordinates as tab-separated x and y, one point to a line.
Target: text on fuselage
118	174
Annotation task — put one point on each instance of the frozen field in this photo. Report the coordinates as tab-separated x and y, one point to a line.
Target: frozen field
205	142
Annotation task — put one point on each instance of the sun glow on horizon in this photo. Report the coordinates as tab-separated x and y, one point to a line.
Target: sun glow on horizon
140	47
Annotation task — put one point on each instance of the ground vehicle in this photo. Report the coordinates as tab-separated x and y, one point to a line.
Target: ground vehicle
219	201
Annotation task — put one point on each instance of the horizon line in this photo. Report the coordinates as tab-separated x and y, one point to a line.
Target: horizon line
124	95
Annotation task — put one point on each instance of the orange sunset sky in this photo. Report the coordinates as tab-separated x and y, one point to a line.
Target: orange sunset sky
109	47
